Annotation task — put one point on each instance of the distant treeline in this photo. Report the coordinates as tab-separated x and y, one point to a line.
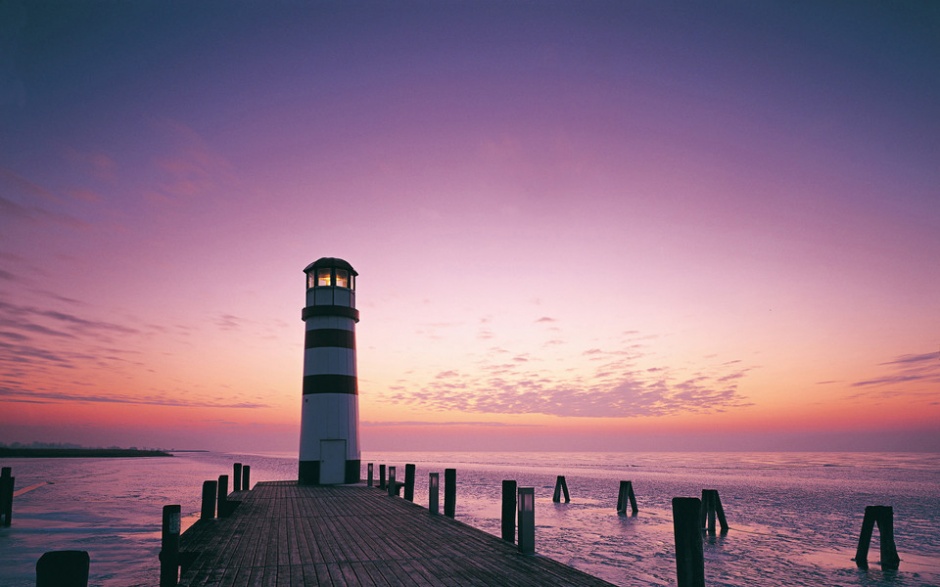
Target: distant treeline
24	452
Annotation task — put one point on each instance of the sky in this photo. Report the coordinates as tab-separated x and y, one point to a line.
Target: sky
620	226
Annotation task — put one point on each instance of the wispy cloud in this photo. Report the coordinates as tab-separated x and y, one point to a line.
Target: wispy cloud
373	423
923	368
615	386
45	397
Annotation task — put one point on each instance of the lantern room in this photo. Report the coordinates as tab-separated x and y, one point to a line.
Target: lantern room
331	282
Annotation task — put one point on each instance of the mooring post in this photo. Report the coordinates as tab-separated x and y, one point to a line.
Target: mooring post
711	507
63	568
246	477
509	510
237	477
381	476
369	472
170	546
624	496
392	490
884	517
409	482
7	481
560	485
526	500
209	489
223	496
434	488
450	492
690	559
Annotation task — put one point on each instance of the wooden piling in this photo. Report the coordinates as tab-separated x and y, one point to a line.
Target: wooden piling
450	492
209	489
63	568
561	485
883	516
246	477
624	496
690	558
509	511
392	483
237	477
711	507
434	487
369	474
223	509
7	481
170	546
409	482
381	476
526	501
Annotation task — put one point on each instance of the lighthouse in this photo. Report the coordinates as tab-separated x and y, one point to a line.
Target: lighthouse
329	422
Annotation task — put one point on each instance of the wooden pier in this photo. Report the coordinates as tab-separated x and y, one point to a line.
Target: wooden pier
284	534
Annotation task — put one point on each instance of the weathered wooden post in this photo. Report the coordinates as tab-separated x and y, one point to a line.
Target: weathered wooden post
7	481
690	559
223	496
526	520
170	546
246	477
392	490
381	476
509	511
63	568
560	484
209	489
369	470
434	487
711	506
626	494
883	516
450	492
409	482
237	477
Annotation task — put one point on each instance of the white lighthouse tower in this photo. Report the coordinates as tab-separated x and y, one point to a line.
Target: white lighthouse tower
329	423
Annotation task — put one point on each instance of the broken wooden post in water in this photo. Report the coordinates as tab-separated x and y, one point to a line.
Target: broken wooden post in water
560	485
690	559
882	515
434	488
7	481
237	477
526	499
209	489
509	511
381	476
223	508
626	495
450	492
63	568
369	474
711	506
409	482
170	546
246	477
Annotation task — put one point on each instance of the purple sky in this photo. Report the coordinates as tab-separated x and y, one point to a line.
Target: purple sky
601	225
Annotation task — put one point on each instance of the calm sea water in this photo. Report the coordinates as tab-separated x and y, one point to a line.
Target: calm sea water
795	517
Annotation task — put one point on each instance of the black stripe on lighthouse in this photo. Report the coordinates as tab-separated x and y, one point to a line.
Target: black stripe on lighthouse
331	384
330	337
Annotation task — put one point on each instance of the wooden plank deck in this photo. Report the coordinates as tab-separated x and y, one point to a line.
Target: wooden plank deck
286	535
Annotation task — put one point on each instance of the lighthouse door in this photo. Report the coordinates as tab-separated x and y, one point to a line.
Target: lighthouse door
332	462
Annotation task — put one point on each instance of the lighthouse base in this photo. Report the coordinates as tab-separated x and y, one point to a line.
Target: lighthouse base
309	473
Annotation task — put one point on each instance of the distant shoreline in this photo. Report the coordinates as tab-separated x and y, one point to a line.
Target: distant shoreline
98	453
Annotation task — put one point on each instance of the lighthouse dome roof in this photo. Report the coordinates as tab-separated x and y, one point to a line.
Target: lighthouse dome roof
334	262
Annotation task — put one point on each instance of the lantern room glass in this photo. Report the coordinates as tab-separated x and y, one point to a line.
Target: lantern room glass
324	278
342	278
